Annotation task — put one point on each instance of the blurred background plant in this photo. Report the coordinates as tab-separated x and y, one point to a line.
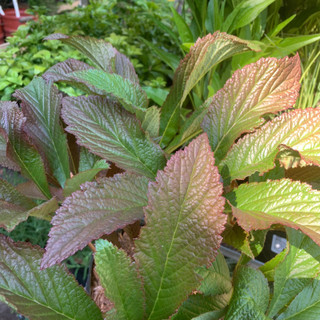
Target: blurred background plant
122	23
278	28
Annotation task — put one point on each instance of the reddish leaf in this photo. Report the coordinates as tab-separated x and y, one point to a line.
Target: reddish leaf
99	208
266	86
184	225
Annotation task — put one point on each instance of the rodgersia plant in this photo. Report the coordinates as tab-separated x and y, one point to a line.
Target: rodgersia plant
248	164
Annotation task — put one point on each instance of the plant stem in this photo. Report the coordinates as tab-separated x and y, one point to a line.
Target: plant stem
92	247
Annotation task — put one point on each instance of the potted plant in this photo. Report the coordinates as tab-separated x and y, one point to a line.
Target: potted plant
11	22
248	165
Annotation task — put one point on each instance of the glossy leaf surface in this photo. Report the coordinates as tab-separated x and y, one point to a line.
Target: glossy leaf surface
306	305
296	272
48	294
129	94
99	208
206	53
42	105
112	133
198	305
250	297
290	203
267	86
298	130
19	148
13	206
73	184
101	53
119	277
185	196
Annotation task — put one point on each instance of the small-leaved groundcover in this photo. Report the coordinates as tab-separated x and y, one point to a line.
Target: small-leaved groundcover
182	179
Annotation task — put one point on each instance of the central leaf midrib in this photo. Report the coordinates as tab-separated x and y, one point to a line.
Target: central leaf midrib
116	140
173	238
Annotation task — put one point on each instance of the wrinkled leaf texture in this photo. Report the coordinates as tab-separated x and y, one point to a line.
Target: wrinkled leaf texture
119	277
266	86
296	272
298	130
250	296
129	94
41	104
47	294
114	134
184	222
101	53
290	203
206	53
13	206
99	208
19	148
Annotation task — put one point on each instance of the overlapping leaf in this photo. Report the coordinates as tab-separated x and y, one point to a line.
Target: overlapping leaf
216	278
120	280
98	209
19	149
61	70
129	94
101	53
200	305
306	305
290	203
296	272
299	130
45	210
4	160
206	53
269	85
73	184
41	105
250	297
13	206
112	133
184	225
47	294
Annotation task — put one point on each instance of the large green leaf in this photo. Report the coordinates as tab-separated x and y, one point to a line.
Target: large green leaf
129	94
99	208
244	13
206	53
101	53
19	148
183	229
290	203
41	105
297	271
111	132
120	280
48	294
250	296
306	305
13	206
298	130
269	85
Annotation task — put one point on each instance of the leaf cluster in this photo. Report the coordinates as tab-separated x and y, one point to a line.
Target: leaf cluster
122	23
250	164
